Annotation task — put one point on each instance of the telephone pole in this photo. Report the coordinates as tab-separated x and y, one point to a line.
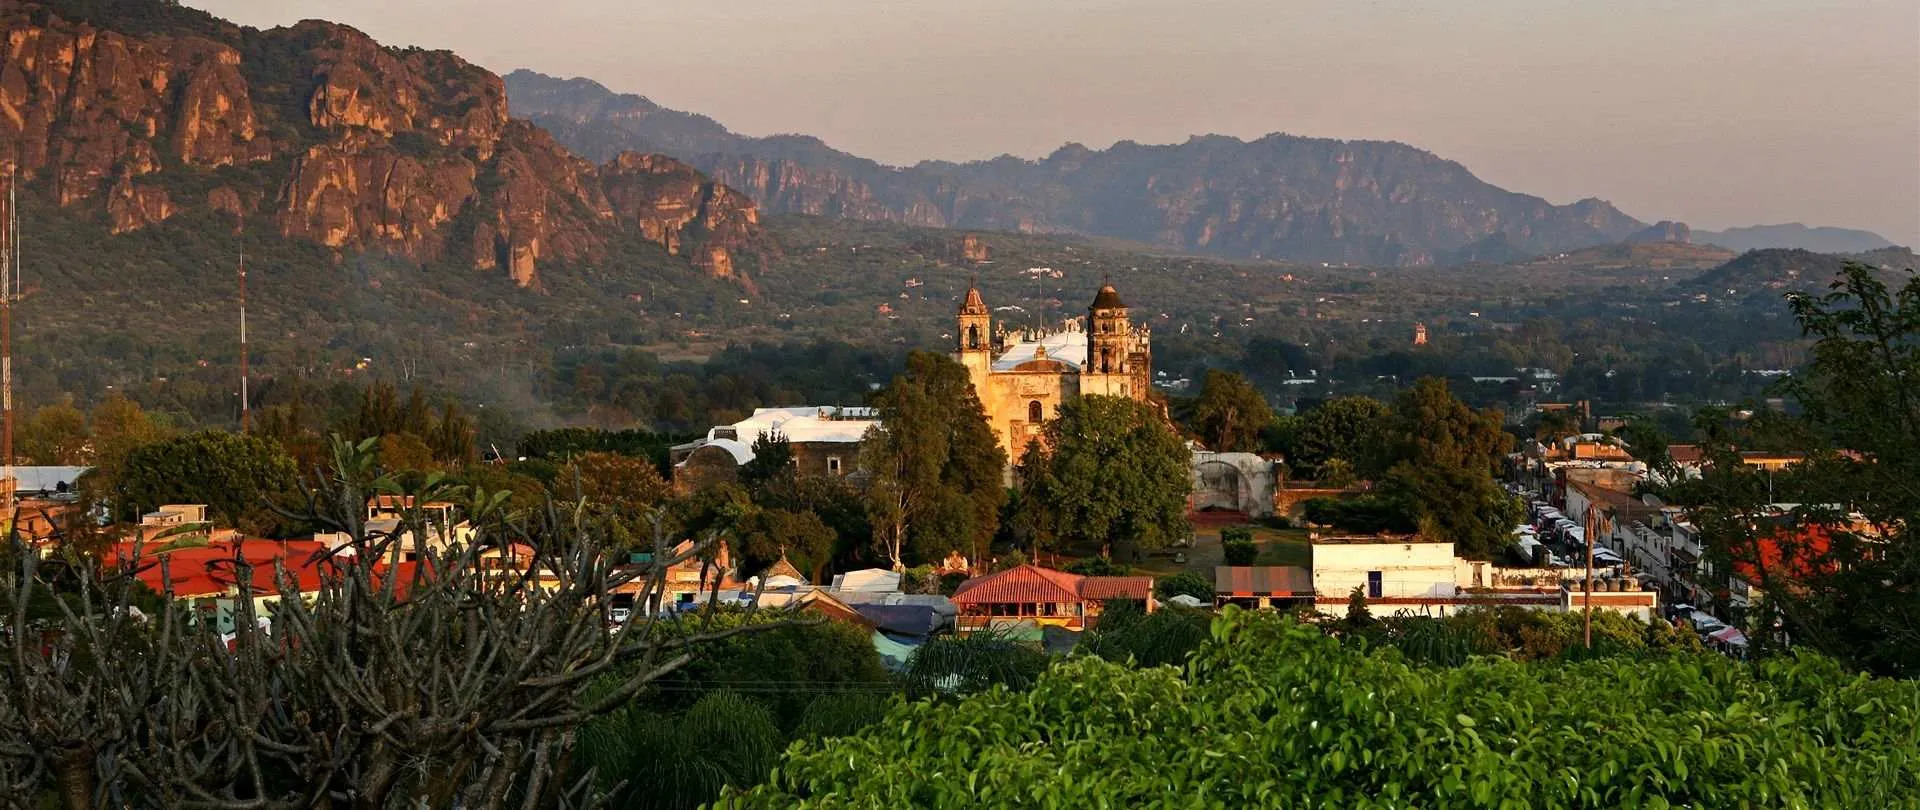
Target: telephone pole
246	420
9	287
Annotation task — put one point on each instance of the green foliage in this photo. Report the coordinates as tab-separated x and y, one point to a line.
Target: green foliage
1361	514
1239	552
1439	457
1185	583
1845	581
976	662
647	760
1097	567
1116	478
235	476
1126	634
766	535
1271	713
936	468
1341	428
772	458
1230	414
564	443
783	669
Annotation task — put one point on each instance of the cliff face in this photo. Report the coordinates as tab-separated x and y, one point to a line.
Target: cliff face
1279	197
333	137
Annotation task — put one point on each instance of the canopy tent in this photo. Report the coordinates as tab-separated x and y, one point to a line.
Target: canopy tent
1185	600
1705	621
1729	635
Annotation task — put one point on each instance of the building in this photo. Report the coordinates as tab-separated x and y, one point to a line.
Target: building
1022	377
825	440
1035	596
1232	482
1409	574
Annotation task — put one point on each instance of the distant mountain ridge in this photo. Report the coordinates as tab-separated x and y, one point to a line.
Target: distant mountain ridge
1281	196
1794	235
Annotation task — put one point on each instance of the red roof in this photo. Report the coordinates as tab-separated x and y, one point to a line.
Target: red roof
1031	584
212	569
1686	453
1100	589
1787	554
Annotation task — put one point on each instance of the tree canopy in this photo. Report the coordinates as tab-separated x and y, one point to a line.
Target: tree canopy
1113	476
1230	413
1270	713
935	470
1341	428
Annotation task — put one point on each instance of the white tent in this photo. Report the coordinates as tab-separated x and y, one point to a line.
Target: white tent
1185	600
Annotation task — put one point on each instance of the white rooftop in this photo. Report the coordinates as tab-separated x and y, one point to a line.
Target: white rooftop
823	423
1069	347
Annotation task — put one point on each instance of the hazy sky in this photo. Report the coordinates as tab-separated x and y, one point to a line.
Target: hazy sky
1716	112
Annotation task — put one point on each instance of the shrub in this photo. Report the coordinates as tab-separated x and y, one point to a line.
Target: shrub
1239	552
1097	567
1271	713
1189	583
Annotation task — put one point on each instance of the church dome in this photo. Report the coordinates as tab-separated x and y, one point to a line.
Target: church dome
1108	298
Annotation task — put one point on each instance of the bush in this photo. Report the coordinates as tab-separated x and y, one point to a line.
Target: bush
1236	533
1097	567
1186	583
1127	634
1239	552
1269	712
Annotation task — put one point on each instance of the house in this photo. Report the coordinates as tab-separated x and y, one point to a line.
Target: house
825	440
1260	586
444	526
1031	595
1413	574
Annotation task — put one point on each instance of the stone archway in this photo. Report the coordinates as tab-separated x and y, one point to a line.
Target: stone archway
1220	485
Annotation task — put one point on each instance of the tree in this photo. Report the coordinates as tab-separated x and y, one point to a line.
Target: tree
1841	570
1438	458
235	476
772	459
56	435
621	485
1230	413
935	468
1185	583
1554	425
1236	546
766	535
1343	428
118	425
1117	477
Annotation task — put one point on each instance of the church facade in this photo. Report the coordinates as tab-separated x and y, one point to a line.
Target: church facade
1022	377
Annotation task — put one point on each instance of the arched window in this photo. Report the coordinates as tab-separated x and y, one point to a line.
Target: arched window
1035	413
1106	359
973	336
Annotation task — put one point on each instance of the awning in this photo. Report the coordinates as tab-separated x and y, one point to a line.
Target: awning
1703	620
1729	635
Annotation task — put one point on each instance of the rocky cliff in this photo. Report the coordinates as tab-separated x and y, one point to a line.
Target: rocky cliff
140	111
1312	199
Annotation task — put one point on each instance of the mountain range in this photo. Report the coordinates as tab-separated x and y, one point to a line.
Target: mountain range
139	111
1280	196
1795	236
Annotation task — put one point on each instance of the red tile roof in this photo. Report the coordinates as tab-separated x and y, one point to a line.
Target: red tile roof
1100	589
1031	584
210	569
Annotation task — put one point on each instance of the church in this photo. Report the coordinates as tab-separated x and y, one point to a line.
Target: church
1023	376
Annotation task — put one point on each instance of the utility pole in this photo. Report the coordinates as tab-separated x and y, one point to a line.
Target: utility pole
9	252
246	421
1587	598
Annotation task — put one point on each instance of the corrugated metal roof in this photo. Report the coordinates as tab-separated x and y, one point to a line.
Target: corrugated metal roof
1262	580
1103	588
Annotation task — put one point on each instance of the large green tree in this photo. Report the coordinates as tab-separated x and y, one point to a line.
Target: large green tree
1341	428
935	470
235	476
1116	477
1839	572
1438	457
1230	413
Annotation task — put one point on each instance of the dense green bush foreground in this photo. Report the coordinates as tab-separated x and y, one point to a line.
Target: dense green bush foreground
1274	714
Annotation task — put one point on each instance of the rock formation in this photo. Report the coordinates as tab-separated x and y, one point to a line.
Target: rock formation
336	138
1281	196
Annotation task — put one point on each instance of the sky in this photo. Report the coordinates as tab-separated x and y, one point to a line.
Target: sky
1715	112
